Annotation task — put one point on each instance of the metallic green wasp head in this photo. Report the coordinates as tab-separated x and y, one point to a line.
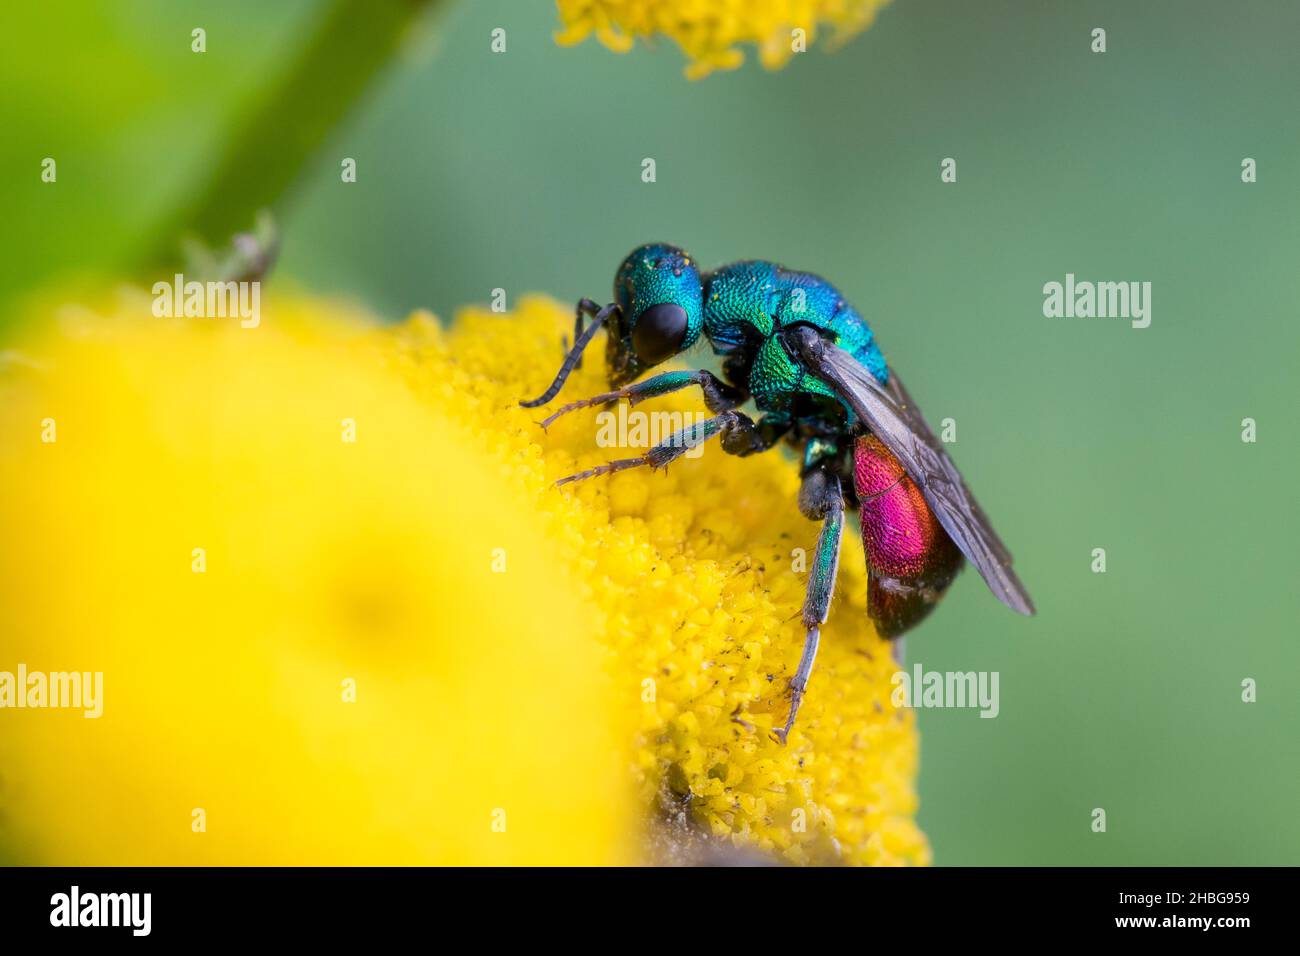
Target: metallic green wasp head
660	311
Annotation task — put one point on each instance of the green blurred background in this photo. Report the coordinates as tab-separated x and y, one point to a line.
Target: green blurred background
522	171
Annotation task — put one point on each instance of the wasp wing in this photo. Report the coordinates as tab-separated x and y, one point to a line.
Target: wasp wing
911	414
894	418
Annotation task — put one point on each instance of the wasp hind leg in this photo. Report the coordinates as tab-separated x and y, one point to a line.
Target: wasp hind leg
820	498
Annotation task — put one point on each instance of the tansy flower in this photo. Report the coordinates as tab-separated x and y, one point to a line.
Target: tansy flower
343	616
709	31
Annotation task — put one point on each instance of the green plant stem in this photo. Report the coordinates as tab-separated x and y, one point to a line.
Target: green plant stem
267	151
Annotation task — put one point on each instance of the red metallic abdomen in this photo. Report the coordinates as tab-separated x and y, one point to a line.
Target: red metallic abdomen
911	558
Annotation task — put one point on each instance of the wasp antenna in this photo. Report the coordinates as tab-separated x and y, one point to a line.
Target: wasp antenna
571	360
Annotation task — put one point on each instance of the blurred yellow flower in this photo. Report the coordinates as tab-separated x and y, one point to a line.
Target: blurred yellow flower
202	531
541	675
709	31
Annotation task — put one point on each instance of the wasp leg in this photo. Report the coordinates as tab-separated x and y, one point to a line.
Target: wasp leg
575	355
718	395
584	307
668	450
820	497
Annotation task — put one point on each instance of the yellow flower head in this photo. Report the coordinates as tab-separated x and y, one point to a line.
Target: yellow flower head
709	31
536	675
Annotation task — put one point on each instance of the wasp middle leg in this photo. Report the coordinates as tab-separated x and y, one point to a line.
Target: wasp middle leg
740	436
718	395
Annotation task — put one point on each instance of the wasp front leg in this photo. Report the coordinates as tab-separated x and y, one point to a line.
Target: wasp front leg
718	395
584	308
580	343
820	499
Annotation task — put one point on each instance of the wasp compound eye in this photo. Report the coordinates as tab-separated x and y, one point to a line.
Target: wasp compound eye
659	332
